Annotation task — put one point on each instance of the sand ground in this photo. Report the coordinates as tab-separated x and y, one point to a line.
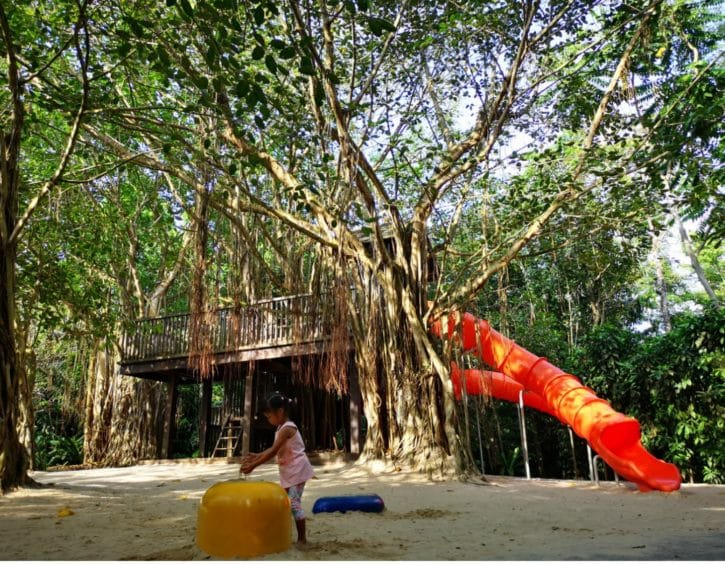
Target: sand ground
148	512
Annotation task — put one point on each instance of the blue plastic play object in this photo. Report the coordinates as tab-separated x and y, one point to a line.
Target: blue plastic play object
368	503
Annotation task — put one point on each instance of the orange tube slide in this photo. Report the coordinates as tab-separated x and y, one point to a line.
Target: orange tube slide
494	384
614	436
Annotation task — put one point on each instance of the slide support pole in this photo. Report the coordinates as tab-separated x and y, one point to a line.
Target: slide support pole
522	426
573	450
480	443
589	460
595	461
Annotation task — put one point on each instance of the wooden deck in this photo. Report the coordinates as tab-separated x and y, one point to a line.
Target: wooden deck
266	329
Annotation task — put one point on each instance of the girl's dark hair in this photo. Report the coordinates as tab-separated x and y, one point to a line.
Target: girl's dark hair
278	401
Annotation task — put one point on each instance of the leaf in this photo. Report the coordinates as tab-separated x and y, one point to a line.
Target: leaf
202	82
379	25
278	44
218	83
163	56
186	8
287	53
124	49
65	512
319	94
136	27
242	88
257	52
306	66
270	63
258	14
256	96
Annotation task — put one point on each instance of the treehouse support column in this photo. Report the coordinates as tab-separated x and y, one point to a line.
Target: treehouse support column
247	423
172	386
355	412
205	417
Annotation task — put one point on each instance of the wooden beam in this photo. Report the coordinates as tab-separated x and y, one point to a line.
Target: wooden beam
248	401
205	418
142	369
173	389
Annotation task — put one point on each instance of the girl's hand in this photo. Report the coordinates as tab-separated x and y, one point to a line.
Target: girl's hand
247	468
249	463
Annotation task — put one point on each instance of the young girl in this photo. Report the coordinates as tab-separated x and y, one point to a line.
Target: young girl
294	466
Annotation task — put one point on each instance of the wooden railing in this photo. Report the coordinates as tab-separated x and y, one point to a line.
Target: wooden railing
267	323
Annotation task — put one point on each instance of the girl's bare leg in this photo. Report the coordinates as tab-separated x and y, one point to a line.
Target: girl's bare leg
301	531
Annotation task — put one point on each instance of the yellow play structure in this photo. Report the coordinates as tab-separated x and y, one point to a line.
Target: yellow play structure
240	519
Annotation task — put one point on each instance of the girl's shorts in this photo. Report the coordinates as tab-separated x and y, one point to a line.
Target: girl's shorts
295	498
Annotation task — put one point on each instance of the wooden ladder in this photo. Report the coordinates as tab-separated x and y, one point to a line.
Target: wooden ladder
228	441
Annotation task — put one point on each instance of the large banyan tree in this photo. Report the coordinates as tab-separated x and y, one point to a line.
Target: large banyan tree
372	131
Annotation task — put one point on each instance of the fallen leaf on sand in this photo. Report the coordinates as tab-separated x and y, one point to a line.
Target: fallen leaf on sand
65	512
183	497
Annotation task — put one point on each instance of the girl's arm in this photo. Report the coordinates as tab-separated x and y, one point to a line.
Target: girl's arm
254	460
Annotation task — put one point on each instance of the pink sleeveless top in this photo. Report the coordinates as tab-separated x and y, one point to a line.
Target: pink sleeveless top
294	466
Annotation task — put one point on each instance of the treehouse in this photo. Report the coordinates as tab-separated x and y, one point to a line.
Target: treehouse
297	345
249	352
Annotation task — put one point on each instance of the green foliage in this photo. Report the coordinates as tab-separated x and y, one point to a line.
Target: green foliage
57	450
186	434
58	435
673	383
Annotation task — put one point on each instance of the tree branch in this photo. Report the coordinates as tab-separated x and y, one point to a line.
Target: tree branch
82	53
568	194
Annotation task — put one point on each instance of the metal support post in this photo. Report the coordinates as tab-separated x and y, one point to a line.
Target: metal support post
589	460
522	426
573	451
480	443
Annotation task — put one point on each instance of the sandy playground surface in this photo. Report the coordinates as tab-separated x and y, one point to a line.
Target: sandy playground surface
148	512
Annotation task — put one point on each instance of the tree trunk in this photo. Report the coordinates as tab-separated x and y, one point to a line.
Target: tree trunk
692	255
411	415
122	413
13	456
660	282
97	406
14	461
26	411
